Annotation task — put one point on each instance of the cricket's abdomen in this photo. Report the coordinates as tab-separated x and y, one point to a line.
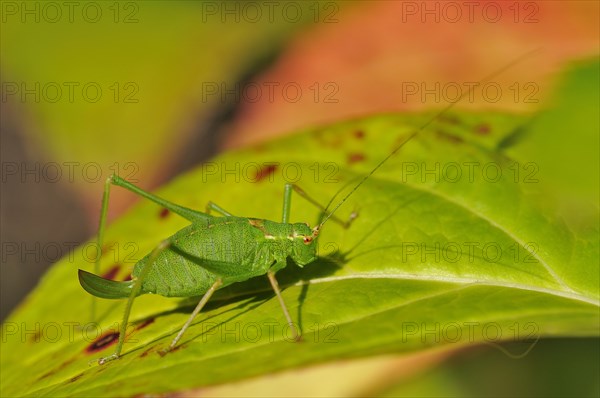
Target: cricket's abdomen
230	248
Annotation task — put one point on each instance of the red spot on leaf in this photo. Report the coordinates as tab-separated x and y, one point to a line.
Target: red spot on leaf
450	119
36	337
127	278
148	351
355	157
265	172
142	325
448	137
103	342
164	212
482	129
112	272
359	134
106	247
53	371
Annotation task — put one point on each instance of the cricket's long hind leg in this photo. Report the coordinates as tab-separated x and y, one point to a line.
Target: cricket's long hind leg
198	308
135	291
275	285
215	207
189	214
287	199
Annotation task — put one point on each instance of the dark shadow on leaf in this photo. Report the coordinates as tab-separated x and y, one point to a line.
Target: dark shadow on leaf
251	294
226	321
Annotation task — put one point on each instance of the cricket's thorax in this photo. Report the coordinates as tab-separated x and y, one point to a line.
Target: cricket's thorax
232	248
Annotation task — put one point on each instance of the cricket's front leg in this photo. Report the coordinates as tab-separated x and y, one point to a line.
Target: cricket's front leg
296	335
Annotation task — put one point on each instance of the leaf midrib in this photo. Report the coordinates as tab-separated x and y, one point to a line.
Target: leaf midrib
466	281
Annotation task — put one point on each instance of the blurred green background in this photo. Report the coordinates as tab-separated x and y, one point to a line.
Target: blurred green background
152	88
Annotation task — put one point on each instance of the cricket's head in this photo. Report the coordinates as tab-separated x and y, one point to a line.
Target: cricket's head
304	244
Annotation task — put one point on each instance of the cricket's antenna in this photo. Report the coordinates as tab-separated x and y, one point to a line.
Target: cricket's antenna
414	133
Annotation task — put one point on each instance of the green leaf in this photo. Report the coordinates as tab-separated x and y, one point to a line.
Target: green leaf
435	260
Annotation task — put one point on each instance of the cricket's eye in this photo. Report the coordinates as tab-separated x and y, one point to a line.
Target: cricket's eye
307	240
